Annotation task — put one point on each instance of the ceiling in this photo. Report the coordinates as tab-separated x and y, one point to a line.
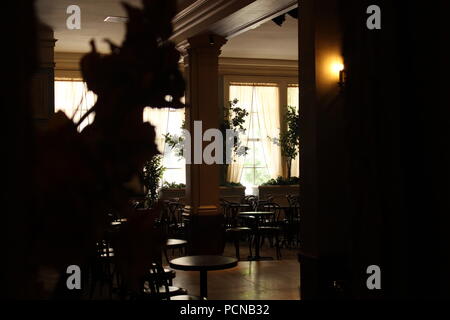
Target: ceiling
93	12
268	41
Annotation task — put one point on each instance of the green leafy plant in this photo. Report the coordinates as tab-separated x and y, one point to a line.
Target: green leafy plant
280	181
173	185
231	184
152	175
234	119
176	142
289	140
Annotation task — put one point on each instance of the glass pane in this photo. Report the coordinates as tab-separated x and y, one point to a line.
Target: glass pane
259	155
254	131
250	155
74	99
292	96
247	177
258	100
174	175
261	176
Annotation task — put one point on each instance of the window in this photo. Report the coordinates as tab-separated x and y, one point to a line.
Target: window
168	121
293	100
74	99
266	99
262	160
292	95
255	170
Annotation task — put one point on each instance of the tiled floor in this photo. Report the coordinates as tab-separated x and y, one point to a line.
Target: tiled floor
250	280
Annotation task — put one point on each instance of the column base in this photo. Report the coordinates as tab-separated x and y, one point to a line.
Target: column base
205	231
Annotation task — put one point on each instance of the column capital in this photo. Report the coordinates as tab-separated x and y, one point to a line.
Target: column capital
203	42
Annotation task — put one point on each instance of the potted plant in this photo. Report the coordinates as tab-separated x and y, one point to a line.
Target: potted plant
289	140
229	190
279	188
152	175
232	191
171	190
233	119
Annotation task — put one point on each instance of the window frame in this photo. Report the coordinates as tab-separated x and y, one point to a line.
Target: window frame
282	82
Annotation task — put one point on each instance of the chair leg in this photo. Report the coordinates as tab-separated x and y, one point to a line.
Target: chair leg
236	246
277	246
165	254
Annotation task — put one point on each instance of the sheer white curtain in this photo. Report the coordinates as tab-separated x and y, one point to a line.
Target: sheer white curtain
74	99
168	121
293	99
158	118
267	102
263	100
245	96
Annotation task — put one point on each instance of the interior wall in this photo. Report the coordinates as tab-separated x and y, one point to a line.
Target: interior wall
324	161
375	165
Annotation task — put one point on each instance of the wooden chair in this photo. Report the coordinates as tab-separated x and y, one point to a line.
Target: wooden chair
173	244
270	226
251	200
292	222
102	272
156	285
233	229
176	226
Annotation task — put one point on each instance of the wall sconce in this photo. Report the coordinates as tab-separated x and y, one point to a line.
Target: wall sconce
338	69
342	78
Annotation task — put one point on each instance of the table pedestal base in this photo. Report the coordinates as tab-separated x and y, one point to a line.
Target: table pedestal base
204	284
259	258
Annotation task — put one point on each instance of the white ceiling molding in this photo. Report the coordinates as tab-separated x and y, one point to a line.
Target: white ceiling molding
200	15
258	67
252	16
227	18
67	66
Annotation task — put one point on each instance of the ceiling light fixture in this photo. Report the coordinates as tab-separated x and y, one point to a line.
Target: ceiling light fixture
116	19
293	13
279	20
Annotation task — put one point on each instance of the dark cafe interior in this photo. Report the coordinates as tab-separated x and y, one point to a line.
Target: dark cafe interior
210	150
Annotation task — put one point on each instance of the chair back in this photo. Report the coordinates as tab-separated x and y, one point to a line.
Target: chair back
156	280
293	214
251	200
230	212
271	220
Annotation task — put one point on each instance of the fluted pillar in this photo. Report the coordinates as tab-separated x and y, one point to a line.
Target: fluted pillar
42	89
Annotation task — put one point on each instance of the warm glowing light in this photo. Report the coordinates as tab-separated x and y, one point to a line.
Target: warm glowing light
337	67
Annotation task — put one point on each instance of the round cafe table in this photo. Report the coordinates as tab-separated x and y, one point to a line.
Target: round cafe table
203	263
